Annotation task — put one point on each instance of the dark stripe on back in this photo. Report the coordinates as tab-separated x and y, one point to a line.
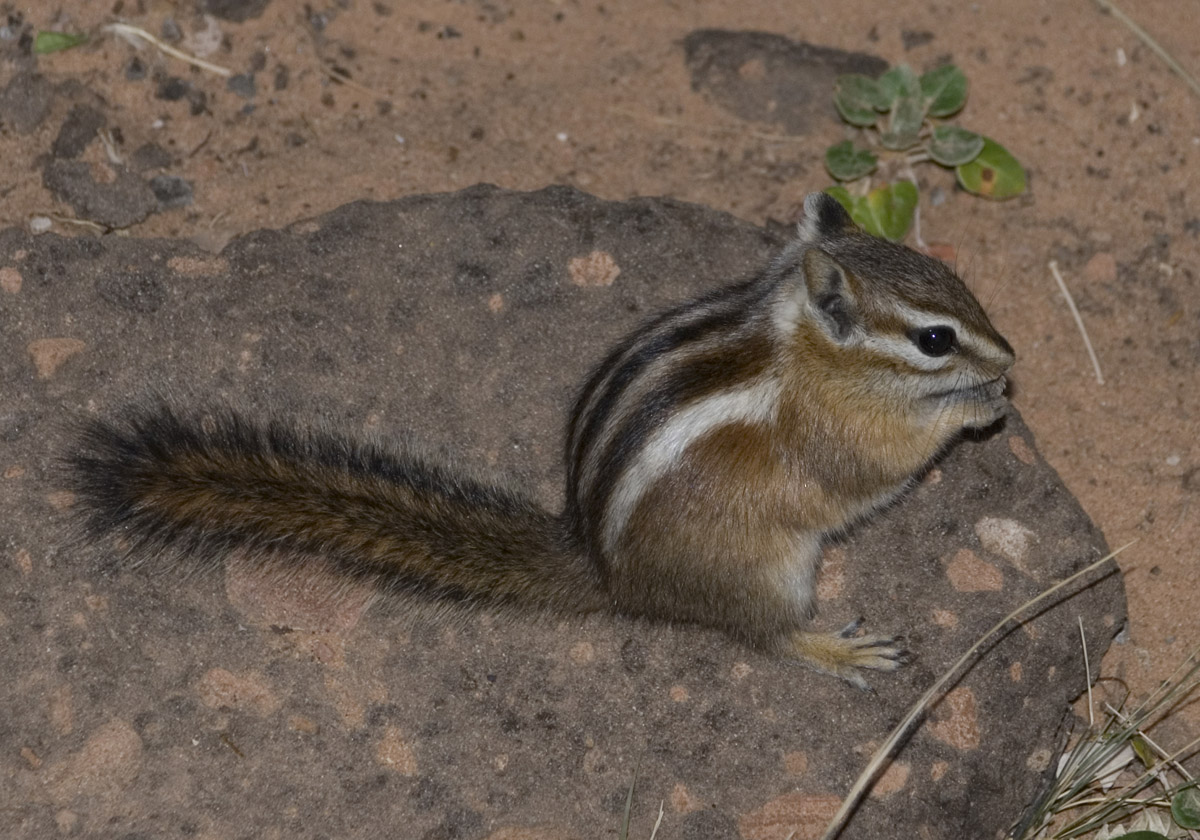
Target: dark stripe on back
732	302
695	380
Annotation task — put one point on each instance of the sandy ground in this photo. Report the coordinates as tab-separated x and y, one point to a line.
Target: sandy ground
354	99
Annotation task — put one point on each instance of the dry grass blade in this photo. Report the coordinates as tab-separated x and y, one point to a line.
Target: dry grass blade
1080	787
1087	342
1142	34
658	822
1159	751
1122	803
136	33
1087	667
875	766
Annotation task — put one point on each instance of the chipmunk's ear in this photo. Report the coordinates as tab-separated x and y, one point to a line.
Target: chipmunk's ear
824	218
831	295
814	279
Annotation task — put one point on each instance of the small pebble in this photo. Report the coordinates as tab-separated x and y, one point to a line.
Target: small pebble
135	70
171	191
243	85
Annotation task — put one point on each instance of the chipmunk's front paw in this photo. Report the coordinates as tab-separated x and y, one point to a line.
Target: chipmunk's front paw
846	654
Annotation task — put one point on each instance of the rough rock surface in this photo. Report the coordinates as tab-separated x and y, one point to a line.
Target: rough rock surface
767	77
236	705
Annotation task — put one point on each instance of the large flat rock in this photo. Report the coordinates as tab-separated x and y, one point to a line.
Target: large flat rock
231	705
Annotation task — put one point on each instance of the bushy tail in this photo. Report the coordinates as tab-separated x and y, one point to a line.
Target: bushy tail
205	487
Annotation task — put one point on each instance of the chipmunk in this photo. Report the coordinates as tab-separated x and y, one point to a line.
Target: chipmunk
708	458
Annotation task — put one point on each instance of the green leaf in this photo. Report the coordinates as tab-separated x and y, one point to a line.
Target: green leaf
952	145
48	42
891	210
1143	751
1185	807
897	83
994	174
886	211
858	99
945	90
904	124
1141	835
846	163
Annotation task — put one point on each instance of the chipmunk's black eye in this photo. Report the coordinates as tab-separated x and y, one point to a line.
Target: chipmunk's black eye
936	341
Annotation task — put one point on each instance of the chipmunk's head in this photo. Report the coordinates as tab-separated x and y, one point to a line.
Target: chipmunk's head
898	334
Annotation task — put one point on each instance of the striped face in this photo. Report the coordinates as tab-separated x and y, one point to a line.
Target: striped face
894	328
852	359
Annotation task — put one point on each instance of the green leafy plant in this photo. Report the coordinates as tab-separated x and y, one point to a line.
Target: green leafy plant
898	115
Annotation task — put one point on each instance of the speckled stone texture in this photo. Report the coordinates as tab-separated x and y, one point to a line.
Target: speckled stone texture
239	705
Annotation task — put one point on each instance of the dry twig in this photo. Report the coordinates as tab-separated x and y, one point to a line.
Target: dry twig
1144	36
135	33
1087	342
